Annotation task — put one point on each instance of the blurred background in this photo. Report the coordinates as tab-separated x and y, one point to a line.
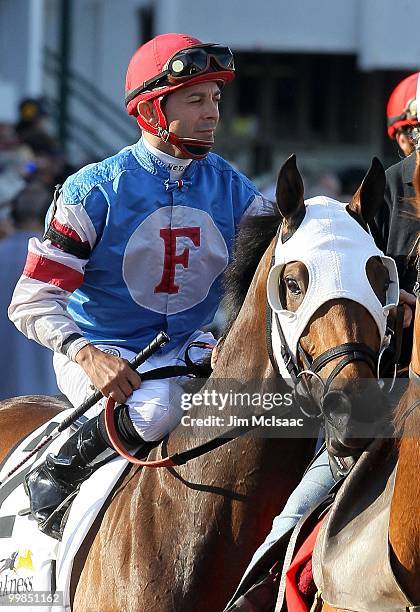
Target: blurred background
313	77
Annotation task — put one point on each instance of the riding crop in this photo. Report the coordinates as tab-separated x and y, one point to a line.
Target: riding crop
160	340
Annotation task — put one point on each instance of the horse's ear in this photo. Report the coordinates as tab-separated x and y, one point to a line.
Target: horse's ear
289	197
370	196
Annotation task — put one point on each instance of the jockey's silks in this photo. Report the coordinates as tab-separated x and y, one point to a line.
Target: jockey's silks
158	247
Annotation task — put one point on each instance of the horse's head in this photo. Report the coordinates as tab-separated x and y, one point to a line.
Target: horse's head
330	290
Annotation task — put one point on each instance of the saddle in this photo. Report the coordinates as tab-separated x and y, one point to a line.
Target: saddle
353	540
263	589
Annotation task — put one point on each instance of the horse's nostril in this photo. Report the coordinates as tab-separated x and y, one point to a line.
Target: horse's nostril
336	401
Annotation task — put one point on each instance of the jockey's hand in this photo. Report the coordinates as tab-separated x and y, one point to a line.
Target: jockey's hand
409	302
111	375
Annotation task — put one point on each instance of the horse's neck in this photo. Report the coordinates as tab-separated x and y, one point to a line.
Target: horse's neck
405	534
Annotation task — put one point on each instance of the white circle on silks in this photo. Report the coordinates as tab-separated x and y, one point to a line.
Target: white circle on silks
335	249
173	258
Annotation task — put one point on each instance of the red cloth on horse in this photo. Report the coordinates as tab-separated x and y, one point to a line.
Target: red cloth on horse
298	573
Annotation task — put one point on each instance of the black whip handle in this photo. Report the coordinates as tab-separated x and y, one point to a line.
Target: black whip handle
160	340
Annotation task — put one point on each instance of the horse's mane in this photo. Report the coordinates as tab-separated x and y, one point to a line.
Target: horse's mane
254	236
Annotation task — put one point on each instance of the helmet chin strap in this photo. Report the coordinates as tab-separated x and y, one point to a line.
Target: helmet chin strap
195	149
191	147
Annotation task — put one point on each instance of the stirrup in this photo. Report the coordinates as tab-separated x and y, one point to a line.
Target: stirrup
59	514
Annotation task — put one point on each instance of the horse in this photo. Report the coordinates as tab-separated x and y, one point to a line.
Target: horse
404	521
181	538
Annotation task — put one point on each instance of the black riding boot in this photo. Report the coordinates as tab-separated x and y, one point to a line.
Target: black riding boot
51	483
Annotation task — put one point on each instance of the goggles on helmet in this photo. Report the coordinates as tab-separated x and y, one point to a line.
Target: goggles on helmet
409	113
186	64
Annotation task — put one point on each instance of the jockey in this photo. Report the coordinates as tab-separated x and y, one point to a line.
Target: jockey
135	244
401	113
395	230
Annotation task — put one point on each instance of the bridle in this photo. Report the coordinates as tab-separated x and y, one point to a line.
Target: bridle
348	351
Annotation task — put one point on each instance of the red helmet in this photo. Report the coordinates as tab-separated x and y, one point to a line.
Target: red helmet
167	63
401	110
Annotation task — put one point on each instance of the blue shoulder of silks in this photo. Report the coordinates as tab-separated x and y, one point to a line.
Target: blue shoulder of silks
243	189
79	185
222	165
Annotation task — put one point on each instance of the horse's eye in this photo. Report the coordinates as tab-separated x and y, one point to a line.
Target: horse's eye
292	285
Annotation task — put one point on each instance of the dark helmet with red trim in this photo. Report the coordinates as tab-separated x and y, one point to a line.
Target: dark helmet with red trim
169	62
401	109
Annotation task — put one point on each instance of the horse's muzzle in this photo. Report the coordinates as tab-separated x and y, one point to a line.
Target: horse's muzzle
354	416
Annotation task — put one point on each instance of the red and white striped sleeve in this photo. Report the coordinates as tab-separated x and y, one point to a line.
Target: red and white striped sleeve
54	268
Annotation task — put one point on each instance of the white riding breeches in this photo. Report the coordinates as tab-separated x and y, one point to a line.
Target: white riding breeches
153	408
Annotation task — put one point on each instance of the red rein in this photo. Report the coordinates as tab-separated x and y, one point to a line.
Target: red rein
118	445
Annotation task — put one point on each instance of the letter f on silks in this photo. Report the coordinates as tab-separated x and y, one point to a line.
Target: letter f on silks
171	259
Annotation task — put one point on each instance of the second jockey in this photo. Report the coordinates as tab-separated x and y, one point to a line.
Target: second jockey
135	244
